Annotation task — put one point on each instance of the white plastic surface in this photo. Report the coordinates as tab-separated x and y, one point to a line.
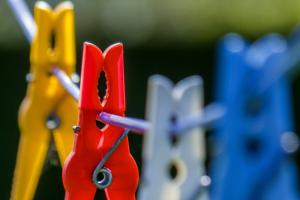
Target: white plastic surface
165	103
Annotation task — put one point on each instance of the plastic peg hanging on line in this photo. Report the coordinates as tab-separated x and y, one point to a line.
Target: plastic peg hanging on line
173	165
47	110
253	143
119	176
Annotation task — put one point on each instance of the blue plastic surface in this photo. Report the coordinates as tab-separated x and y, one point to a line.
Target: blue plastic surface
249	161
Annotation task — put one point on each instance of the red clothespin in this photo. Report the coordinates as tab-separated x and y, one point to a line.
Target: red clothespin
91	143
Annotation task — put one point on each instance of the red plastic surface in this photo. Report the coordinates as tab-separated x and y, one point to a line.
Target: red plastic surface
91	143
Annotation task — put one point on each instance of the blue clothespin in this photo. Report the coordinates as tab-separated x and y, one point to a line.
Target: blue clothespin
255	139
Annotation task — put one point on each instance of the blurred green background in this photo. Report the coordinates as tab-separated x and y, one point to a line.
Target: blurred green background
172	37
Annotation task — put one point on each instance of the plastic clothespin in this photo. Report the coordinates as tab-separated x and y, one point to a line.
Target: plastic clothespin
254	141
185	156
92	143
45	97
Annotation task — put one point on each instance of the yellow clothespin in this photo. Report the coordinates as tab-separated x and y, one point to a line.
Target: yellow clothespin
45	96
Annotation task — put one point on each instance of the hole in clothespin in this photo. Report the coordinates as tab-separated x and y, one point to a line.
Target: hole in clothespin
52	122
176	170
100	125
101	94
173	170
253	146
102	86
52	40
174	138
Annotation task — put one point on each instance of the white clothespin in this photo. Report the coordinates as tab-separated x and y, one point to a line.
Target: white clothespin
164	104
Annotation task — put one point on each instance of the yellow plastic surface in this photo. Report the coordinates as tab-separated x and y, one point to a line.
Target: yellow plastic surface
45	96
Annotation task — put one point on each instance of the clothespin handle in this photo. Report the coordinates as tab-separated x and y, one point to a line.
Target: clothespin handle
92	143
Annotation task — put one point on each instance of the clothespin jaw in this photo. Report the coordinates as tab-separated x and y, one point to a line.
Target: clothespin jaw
53	43
160	155
113	67
251	161
91	143
45	97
